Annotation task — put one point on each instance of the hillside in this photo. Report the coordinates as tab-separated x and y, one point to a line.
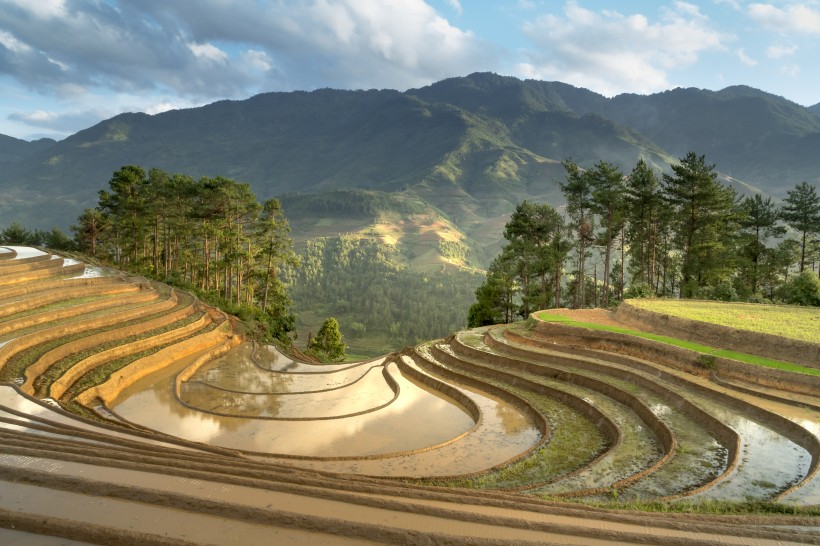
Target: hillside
14	149
470	146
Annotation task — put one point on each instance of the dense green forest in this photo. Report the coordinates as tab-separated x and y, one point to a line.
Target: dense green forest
359	281
678	234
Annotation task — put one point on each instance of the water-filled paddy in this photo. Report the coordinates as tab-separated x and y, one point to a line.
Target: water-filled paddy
401	425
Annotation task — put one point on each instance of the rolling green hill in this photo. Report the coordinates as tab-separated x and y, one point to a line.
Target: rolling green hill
470	147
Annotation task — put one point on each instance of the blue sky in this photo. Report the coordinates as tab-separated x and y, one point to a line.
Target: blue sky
68	64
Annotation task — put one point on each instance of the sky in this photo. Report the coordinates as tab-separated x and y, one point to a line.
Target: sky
65	65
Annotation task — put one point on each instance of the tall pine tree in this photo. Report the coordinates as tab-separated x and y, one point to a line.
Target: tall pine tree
700	207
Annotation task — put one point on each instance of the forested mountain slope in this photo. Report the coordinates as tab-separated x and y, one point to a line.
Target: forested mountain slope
472	147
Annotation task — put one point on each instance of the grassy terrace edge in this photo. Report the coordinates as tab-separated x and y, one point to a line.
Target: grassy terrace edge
755	360
787	321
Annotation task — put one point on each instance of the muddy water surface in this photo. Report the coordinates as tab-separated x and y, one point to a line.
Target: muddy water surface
19	538
144	518
503	433
401	426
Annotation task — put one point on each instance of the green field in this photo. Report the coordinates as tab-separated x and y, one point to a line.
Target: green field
790	321
546	316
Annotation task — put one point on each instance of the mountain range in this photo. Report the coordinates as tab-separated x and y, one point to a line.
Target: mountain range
469	147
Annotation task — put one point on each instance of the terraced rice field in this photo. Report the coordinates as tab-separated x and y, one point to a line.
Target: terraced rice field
131	413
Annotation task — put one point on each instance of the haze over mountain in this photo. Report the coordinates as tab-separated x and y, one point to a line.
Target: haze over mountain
472	147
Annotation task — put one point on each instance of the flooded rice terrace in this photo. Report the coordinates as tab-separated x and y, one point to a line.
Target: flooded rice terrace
498	408
260	401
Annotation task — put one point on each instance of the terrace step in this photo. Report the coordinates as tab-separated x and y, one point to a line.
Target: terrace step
759	429
647	443
36	372
61	385
48	297
132	307
703	439
560	408
55	269
12	261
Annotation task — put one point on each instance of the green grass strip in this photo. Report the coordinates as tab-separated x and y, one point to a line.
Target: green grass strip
546	316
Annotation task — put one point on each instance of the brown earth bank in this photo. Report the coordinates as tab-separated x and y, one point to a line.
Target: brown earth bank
102	480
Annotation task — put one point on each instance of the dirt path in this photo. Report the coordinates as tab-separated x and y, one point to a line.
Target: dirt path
596	316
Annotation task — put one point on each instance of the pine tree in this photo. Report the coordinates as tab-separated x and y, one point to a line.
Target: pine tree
801	211
700	207
329	340
758	223
607	201
578	192
644	213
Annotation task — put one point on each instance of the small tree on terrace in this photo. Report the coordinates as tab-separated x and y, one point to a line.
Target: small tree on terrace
329	341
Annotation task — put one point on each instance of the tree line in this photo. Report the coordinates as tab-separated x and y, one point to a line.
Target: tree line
209	235
678	234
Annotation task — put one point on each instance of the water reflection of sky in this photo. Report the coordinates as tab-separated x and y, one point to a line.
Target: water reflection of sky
403	425
24	251
768	461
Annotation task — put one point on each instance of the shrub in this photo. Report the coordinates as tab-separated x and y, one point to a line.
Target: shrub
722	291
758	298
804	289
707	361
639	290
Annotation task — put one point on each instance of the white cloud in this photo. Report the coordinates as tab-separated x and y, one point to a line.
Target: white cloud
610	52
456	5
231	48
42	9
258	60
744	58
11	43
792	70
778	52
37	116
60	124
208	52
799	18
685	8
160	107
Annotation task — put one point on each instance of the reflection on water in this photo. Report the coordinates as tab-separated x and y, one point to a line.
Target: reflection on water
402	425
372	391
768	464
24	251
503	433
